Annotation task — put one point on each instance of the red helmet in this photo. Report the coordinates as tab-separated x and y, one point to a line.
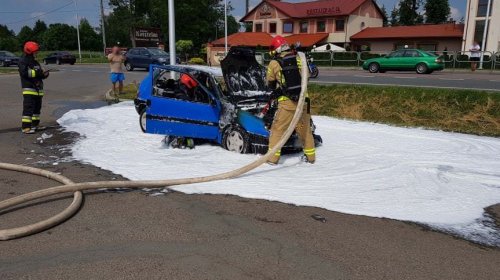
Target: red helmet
277	43
188	81
31	47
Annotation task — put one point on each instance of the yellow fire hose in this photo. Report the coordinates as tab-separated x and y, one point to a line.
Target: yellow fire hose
76	188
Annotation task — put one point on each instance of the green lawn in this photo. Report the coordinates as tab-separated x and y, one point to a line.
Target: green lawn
466	111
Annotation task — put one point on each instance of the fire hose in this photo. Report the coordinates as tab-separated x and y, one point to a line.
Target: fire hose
77	188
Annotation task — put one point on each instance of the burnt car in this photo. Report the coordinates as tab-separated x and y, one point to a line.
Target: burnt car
226	107
7	59
60	58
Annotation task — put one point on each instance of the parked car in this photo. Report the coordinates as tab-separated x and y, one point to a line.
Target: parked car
59	58
144	57
7	59
405	60
224	108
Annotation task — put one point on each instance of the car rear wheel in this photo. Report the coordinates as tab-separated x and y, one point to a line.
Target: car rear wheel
236	140
128	66
422	68
315	72
142	120
3	64
58	62
45	62
373	67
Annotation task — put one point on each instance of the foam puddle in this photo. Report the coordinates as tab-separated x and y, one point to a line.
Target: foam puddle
444	180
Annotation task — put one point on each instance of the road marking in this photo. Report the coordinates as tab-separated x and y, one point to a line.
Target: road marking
364	76
451	79
396	85
495	81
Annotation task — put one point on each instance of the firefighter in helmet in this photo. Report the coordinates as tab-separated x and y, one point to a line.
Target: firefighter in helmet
284	78
32	76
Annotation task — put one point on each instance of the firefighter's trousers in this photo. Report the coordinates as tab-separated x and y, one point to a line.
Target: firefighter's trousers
282	119
32	105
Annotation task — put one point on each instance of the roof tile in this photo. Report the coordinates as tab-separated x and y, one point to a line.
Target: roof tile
448	30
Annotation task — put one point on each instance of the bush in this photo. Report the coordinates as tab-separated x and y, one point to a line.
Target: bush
197	61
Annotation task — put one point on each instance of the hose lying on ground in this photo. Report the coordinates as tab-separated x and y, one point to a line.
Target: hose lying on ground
76	188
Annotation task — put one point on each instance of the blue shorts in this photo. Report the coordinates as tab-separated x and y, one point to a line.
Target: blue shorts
116	77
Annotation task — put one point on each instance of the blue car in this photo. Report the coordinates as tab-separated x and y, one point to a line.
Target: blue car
229	106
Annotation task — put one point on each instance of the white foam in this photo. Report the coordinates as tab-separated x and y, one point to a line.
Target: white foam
441	179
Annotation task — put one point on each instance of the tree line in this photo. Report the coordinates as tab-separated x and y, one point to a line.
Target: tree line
198	21
413	12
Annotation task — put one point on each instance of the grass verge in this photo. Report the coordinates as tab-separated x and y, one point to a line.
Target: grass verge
465	111
129	91
8	70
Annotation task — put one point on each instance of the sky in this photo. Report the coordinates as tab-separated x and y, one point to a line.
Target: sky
17	13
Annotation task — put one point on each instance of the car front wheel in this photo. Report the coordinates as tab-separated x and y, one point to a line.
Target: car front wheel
236	140
422	68
373	67
142	120
128	66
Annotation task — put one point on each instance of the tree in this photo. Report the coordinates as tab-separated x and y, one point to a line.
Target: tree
89	38
60	36
184	47
24	35
196	20
384	14
8	39
394	17
38	31
437	11
408	12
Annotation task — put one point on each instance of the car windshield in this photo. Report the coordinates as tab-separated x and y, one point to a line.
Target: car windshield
157	52
8	54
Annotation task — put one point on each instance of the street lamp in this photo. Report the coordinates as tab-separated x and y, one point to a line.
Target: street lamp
225	27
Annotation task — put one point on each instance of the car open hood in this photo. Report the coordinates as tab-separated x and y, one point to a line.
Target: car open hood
245	78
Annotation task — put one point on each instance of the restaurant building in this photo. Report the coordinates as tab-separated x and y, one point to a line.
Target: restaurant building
336	20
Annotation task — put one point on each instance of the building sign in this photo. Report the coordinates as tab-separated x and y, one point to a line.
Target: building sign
146	37
265	11
323	11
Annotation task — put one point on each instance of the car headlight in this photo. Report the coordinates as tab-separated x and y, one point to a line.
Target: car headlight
438	60
162	59
312	59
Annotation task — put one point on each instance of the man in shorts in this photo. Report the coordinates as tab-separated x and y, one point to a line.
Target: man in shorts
475	55
116	60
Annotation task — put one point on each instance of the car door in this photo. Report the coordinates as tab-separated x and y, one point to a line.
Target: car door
411	59
393	61
144	58
168	115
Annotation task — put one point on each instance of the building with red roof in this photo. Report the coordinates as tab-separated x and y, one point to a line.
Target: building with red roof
337	19
431	37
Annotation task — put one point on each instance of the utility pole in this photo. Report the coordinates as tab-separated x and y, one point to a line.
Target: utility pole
485	33
171	32
78	31
103	29
247	6
225	27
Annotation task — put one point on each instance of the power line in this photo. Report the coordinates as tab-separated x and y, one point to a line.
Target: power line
40	15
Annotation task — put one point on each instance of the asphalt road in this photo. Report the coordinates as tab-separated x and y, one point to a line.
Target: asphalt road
134	236
483	80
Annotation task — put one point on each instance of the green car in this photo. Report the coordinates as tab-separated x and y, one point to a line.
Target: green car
405	60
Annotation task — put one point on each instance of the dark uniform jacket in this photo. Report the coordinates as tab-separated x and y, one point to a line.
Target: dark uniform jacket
32	75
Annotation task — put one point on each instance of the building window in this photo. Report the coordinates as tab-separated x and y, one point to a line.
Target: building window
479	31
320	26
258	27
288	27
304	26
482	8
272	27
428	47
339	25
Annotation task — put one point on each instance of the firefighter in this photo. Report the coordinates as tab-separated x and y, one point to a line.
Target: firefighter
32	76
284	78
